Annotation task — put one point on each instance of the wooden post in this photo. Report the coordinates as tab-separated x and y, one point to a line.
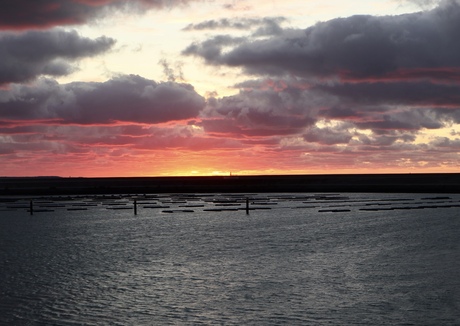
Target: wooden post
247	205
31	208
135	207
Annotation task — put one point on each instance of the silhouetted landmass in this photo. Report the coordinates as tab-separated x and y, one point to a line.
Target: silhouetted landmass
396	183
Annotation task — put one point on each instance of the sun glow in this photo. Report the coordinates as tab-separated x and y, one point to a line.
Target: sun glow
213	88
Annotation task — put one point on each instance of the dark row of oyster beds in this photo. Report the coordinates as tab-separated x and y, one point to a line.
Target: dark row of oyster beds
191	203
383	183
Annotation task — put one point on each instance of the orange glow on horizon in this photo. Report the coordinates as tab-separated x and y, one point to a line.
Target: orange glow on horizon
237	162
211	167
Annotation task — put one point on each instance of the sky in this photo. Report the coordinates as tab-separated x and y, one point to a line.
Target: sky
100	88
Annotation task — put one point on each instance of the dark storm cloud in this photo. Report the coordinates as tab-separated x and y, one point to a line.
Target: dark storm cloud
328	136
392	106
448	115
397	93
439	75
274	107
385	120
260	113
444	142
404	120
124	99
26	56
266	26
388	106
387	139
212	49
380	74
27	14
360	45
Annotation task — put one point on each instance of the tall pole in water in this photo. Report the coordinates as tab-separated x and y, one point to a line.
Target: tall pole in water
31	208
247	206
135	207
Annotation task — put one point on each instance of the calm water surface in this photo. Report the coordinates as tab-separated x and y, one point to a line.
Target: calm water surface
377	260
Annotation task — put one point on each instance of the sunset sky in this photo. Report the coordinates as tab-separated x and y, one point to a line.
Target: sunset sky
188	87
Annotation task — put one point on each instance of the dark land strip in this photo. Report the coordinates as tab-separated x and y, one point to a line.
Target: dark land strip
378	183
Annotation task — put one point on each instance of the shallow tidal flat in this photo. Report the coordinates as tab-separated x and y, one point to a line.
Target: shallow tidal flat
230	259
191	203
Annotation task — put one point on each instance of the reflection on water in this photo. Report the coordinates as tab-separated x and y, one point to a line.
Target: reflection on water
296	259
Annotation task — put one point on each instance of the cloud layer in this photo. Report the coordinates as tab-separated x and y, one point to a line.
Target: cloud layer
26	56
29	14
371	93
358	46
356	85
126	99
264	26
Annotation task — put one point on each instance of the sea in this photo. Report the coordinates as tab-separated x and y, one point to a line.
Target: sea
231	259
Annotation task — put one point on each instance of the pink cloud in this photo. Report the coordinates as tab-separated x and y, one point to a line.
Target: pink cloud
441	75
26	14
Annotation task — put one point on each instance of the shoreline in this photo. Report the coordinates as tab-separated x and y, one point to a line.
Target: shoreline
365	183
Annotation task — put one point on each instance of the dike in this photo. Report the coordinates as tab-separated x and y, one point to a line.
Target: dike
341	183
